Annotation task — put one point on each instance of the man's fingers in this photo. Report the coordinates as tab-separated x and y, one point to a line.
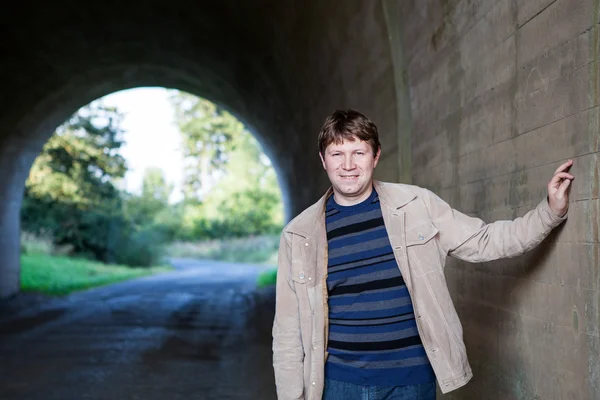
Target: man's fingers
564	175
560	178
564	166
563	188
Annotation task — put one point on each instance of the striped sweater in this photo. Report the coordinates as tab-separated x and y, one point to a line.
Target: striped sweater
373	337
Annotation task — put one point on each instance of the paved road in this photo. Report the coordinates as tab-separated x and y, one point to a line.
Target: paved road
202	332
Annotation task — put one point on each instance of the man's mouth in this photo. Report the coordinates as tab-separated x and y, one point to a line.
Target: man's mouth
348	177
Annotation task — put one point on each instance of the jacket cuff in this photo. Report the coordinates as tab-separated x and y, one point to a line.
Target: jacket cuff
548	216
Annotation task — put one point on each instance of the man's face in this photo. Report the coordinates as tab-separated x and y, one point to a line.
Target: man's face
350	167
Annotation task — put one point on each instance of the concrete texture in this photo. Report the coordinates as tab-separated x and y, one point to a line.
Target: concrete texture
200	333
477	100
502	92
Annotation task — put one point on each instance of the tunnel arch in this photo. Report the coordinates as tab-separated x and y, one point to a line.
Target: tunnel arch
58	107
280	67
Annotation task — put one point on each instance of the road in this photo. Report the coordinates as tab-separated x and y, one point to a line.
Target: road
201	332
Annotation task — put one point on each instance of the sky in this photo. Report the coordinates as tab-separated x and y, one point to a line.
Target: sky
151	136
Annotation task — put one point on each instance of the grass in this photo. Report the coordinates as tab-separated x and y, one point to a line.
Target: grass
61	275
267	278
254	250
45	270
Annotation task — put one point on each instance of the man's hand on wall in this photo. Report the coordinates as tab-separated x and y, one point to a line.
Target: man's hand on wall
558	195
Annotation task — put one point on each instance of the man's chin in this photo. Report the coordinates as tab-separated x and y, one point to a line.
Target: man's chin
348	188
351	190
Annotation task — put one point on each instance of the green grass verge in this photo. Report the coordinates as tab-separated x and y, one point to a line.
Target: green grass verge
267	278
59	275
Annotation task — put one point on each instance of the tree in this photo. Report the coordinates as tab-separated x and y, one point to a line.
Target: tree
208	132
142	210
70	191
228	177
247	199
81	164
155	187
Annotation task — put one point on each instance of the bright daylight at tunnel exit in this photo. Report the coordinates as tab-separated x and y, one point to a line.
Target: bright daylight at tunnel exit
300	199
156	183
139	178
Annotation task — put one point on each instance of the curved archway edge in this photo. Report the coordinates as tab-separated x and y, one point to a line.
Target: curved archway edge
280	69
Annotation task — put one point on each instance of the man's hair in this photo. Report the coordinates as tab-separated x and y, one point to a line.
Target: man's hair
348	125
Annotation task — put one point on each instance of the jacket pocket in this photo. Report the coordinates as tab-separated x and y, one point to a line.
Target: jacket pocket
304	292
422	248
298	274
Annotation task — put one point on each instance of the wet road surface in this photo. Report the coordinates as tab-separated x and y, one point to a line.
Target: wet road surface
201	332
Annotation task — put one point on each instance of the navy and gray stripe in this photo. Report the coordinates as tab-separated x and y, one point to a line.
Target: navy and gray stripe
373	337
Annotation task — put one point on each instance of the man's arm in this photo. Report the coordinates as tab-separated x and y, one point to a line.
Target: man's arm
288	353
470	239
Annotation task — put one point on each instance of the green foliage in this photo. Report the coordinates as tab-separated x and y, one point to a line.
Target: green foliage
231	189
154	199
207	132
71	192
59	275
256	249
80	162
34	244
143	247
267	278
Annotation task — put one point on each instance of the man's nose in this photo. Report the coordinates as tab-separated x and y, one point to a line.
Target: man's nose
348	163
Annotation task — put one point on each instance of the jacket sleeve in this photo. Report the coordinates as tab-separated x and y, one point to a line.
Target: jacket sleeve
473	240
288	353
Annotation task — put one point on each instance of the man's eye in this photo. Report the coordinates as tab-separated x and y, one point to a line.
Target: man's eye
360	153
335	154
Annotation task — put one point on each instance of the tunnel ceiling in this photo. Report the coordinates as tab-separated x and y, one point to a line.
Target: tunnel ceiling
280	66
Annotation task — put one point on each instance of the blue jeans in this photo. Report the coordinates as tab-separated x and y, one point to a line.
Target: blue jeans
336	390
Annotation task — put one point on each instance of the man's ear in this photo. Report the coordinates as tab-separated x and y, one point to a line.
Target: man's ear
322	161
376	160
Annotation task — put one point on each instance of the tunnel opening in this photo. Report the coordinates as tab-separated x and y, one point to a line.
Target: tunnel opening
110	186
205	319
51	111
281	67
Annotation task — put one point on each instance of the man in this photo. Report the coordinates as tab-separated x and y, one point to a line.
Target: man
363	310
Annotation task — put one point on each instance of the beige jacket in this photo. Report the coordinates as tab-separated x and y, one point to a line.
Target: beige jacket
423	230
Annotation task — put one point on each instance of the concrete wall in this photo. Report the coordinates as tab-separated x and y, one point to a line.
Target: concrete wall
502	92
479	100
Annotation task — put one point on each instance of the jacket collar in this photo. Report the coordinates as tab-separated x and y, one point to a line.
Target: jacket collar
392	195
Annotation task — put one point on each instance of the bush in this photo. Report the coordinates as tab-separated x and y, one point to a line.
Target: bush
36	244
254	249
97	234
267	278
140	249
82	232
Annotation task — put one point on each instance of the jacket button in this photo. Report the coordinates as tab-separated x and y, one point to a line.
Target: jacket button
314	383
309	278
306	244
